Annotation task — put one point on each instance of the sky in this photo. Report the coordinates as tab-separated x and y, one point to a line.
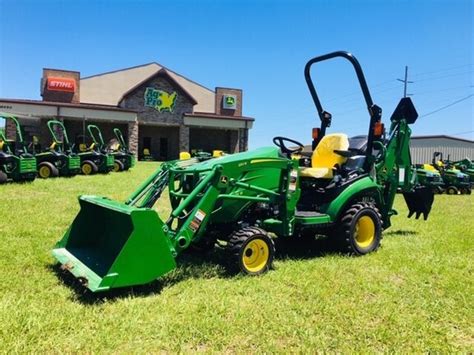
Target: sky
261	46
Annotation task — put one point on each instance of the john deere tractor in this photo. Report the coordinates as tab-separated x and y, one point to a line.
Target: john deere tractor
455	181
58	159
467	167
95	158
16	163
246	200
124	159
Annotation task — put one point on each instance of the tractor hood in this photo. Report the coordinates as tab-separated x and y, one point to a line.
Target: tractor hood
259	153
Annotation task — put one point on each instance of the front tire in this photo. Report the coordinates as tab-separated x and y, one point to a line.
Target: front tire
452	190
118	166
360	229
3	177
89	168
251	250
47	170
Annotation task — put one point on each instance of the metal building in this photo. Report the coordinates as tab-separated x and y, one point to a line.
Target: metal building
422	148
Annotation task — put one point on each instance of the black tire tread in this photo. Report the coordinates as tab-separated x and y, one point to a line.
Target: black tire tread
342	238
54	170
237	240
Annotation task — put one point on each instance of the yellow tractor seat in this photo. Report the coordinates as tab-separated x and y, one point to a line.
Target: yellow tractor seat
146	151
2	143
324	159
52	146
82	147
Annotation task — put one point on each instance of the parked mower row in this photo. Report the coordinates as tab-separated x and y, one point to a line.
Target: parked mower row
61	158
447	176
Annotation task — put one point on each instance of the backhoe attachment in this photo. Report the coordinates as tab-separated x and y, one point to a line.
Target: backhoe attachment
419	201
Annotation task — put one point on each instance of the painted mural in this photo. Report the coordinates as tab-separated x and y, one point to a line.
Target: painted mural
160	100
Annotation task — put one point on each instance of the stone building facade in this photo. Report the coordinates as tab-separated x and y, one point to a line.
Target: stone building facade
156	109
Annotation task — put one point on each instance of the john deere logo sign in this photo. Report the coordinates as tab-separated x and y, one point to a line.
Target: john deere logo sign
160	100
229	102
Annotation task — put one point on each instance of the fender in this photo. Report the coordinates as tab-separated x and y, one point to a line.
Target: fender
363	187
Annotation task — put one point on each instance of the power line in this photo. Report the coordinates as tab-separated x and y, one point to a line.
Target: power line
445	76
461	133
443	70
449	105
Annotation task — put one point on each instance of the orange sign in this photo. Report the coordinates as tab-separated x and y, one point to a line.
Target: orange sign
61	84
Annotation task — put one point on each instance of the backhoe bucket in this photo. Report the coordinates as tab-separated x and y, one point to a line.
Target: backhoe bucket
419	201
111	244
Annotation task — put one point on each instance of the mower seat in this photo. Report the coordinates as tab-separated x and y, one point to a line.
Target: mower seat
324	159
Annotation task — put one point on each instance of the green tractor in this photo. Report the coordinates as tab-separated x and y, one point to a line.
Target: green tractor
58	159
96	158
428	176
467	167
16	163
245	200
124	158
455	181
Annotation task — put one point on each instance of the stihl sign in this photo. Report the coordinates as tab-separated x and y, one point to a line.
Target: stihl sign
61	84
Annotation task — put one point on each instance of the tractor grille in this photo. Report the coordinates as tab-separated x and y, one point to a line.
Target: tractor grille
74	163
110	160
28	165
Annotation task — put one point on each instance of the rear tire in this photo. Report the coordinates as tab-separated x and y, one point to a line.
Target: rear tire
118	166
3	177
452	190
360	229
88	168
438	190
47	170
251	251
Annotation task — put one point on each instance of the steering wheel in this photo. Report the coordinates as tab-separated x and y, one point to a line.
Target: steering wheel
279	142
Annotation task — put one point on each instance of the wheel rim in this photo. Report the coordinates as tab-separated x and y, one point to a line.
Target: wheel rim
255	255
86	169
116	167
44	172
364	231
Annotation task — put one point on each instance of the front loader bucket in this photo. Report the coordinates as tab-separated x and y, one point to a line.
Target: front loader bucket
111	244
419	201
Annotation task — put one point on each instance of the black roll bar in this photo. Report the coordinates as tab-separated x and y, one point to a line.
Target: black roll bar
375	111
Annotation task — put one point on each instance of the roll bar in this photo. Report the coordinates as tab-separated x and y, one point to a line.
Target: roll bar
51	124
375	111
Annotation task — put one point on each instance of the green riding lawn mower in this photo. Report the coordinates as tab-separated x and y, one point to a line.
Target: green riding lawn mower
96	158
58	159
467	167
455	181
428	176
124	159
245	200
16	163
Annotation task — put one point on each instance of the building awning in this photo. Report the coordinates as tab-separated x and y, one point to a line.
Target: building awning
35	108
207	120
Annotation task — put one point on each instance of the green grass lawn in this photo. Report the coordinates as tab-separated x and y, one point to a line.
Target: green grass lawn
414	294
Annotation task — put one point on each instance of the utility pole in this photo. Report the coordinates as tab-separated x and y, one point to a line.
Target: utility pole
406	82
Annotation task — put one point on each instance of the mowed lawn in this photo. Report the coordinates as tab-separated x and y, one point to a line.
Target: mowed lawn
414	294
